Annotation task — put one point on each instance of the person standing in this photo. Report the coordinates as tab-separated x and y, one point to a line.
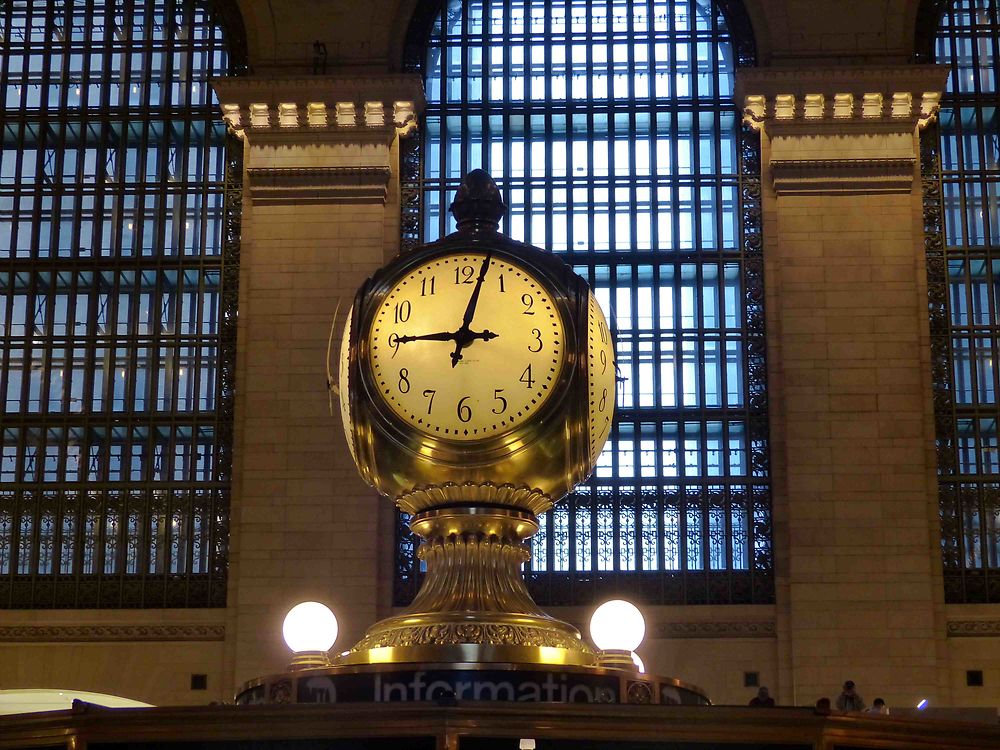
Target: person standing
878	707
849	700
763	698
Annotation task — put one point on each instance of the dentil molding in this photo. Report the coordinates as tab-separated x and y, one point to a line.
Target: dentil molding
323	103
100	633
840	100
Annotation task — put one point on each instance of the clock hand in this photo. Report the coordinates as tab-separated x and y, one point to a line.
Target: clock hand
470	309
442	336
463	336
463	339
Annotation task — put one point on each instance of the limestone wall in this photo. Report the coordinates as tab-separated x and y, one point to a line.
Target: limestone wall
856	538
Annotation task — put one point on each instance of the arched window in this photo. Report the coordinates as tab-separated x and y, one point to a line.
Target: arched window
117	303
611	129
961	185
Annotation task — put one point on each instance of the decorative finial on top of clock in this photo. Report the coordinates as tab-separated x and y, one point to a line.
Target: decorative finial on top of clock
478	205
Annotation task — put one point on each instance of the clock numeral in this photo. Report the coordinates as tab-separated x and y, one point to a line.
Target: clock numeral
527	300
604	401
404	381
403	310
465	275
429	393
502	289
604	361
425	288
464	410
501	399
394	343
603	329
526	377
538	339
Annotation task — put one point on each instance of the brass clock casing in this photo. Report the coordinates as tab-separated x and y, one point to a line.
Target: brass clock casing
475	500
549	453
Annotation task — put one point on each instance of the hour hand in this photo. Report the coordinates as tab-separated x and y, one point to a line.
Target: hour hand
441	336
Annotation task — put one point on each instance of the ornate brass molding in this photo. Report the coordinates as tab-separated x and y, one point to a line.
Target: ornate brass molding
473	605
457	633
98	633
451	494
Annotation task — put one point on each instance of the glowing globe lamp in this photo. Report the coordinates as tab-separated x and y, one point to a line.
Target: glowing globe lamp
310	630
617	628
617	625
638	662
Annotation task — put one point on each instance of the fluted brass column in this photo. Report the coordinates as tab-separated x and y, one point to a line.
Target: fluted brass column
473	605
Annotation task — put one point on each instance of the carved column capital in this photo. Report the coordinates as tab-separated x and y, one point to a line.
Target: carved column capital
335	105
320	138
834	100
844	129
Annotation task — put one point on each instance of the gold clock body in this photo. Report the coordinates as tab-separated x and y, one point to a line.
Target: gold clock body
519	420
477	386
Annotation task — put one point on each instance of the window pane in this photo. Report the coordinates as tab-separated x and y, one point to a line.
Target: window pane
642	198
112	184
964	338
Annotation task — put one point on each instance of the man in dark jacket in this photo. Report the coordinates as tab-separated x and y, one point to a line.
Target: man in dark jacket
763	698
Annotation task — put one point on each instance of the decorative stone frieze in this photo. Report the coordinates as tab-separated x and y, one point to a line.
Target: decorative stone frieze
841	130
734	629
84	633
974	629
321	138
804	176
321	184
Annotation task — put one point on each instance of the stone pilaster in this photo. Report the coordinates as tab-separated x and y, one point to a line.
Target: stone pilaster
321	212
859	591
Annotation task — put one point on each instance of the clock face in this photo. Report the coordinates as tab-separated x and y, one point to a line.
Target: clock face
600	377
466	346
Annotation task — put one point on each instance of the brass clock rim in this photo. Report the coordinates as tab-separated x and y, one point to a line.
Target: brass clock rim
462	453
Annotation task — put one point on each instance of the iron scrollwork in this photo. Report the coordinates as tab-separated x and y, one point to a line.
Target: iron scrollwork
580	515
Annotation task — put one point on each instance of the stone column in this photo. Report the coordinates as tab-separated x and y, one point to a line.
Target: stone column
858	568
321	213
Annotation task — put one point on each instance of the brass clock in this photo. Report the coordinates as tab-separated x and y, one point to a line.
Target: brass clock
476	362
477	387
467	346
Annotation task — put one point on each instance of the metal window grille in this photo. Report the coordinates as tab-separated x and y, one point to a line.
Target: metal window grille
610	127
119	239
961	193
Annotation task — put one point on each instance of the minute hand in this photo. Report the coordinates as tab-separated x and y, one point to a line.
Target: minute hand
470	309
462	335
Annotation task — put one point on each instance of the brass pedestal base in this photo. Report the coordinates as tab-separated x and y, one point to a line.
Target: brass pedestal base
473	605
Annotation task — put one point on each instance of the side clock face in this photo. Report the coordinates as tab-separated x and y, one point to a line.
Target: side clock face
466	346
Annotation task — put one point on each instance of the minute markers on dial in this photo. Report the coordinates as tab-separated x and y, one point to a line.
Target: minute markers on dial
502	391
